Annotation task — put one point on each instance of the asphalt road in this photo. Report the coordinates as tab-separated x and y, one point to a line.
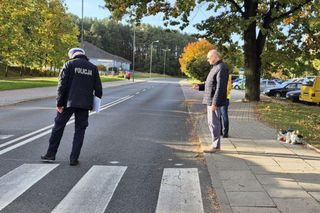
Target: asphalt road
138	156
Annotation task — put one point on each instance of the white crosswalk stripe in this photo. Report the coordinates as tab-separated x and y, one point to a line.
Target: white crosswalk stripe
93	192
180	191
16	182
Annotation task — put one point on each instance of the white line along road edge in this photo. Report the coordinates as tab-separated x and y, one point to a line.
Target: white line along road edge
46	131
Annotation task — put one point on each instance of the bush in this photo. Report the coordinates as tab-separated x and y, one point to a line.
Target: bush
198	68
101	67
115	69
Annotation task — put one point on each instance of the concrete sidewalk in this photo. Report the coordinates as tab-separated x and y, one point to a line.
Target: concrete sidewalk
10	97
254	172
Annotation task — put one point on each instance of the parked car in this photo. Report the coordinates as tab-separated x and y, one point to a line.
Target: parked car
267	84
310	91
282	90
239	84
234	78
128	75
293	95
280	81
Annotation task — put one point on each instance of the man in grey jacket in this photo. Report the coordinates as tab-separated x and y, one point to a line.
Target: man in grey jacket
215	96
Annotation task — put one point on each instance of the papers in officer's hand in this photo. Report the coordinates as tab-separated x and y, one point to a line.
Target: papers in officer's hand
96	104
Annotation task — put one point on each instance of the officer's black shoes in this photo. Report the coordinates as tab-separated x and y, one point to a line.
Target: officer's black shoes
225	136
74	162
48	159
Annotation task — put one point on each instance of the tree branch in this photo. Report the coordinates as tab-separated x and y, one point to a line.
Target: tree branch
294	9
236	6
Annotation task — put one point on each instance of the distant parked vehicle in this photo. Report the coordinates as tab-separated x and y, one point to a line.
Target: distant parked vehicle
267	84
234	78
280	81
293	95
282	90
128	75
239	84
310	91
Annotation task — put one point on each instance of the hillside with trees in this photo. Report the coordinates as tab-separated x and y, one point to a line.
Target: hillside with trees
117	39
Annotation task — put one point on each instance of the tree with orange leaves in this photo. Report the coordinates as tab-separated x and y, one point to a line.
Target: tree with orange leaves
191	53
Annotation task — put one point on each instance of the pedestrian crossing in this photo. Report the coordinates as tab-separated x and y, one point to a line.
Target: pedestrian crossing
16	182
179	189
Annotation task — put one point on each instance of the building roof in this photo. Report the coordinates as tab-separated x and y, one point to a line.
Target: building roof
93	51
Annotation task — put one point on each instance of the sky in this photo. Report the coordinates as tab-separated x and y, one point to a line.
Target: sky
94	9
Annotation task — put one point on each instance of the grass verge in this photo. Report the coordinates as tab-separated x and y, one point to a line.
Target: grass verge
284	115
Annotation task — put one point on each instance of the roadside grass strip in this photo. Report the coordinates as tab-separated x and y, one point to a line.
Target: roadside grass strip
306	119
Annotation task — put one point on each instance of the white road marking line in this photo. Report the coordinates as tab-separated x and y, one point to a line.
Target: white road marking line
180	191
93	192
106	106
25	136
19	180
2	137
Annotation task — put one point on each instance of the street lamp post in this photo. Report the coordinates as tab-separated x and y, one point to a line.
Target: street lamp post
164	63
82	25
151	56
134	50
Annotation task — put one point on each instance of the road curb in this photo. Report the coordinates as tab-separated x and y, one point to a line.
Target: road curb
309	146
204	138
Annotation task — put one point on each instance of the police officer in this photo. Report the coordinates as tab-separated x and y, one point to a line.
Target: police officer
79	80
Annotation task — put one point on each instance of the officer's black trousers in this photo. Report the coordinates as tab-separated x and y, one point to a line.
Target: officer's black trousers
81	123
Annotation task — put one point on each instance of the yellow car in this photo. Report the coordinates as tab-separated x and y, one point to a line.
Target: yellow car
310	92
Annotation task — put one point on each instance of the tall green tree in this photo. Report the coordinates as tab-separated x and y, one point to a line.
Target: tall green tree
35	33
256	22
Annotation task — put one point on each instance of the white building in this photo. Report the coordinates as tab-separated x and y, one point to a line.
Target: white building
99	56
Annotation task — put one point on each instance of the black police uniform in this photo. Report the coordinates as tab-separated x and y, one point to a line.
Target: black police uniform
79	81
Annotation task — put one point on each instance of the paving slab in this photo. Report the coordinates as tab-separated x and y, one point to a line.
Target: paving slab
268	179
267	161
290	191
233	164
253	199
266	169
310	187
297	205
236	175
242	185
315	195
254	210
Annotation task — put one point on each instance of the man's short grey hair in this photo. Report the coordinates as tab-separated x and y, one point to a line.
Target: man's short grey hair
214	52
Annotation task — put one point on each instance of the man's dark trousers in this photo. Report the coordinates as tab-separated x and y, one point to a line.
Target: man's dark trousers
81	123
225	119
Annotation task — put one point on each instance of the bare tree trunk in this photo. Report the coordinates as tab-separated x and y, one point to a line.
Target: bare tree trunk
251	56
6	72
252	73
